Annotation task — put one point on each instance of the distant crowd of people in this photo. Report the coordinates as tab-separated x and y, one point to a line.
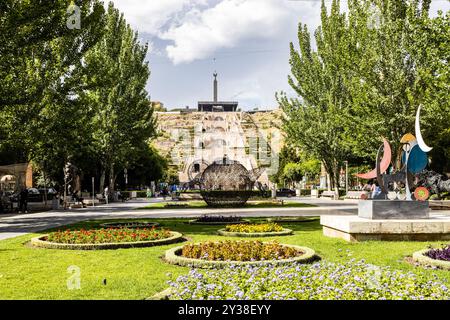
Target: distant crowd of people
6	205
371	186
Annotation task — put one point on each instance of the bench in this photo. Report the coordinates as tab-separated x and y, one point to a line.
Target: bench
189	196
328	194
88	202
357	195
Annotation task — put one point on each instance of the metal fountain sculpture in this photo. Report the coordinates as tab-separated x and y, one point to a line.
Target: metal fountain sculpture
227	183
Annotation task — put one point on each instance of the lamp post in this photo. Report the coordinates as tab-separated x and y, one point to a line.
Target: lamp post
93	192
346	176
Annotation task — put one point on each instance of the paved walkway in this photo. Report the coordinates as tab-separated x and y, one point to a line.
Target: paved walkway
16	225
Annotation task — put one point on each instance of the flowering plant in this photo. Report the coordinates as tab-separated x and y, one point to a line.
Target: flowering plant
320	281
439	254
254	228
239	251
109	235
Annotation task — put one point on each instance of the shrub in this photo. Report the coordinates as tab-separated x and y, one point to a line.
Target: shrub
239	251
254	228
320	281
176	205
215	218
110	235
439	254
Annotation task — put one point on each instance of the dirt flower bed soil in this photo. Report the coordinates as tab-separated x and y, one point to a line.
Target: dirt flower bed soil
109	235
239	251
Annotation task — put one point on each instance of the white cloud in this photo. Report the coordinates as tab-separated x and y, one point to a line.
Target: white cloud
201	32
150	16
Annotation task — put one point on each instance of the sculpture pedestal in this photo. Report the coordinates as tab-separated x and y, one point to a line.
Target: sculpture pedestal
388	220
354	229
393	209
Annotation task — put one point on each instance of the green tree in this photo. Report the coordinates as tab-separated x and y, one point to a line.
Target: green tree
293	172
40	71
117	72
397	60
316	120
147	165
369	73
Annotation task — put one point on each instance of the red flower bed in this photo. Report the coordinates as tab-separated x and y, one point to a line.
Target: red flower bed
110	235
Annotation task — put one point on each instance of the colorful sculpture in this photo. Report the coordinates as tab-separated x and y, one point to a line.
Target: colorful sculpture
414	160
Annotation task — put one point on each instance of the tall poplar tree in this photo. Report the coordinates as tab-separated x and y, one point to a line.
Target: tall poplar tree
370	72
316	120
118	74
40	72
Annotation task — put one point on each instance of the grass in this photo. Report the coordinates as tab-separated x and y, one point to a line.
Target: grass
29	273
202	204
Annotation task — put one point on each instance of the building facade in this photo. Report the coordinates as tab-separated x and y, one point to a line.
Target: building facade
194	140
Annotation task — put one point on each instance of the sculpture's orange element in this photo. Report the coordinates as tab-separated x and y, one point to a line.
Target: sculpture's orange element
384	164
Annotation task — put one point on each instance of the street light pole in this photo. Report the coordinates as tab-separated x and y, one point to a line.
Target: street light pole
125	174
346	177
93	191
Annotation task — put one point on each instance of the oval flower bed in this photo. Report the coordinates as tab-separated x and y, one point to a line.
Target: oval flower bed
319	281
225	253
112	238
217	220
434	257
254	230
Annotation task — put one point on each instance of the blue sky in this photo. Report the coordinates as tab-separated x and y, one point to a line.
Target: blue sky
246	41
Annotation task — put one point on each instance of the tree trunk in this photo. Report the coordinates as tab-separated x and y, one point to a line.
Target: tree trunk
328	182
336	175
112	178
102	181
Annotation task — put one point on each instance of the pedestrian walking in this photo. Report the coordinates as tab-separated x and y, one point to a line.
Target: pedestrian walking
23	201
106	194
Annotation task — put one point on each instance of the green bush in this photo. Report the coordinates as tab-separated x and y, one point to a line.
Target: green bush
176	205
305	192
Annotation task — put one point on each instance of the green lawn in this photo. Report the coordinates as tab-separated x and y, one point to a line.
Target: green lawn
29	273
202	204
